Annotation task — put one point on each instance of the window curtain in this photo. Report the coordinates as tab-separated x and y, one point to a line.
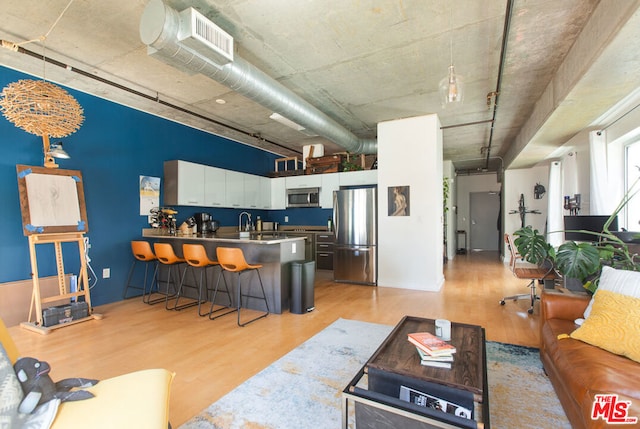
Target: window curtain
600	193
607	173
555	220
569	168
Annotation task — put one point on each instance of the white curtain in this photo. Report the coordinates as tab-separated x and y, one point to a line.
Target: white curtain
599	192
570	184
555	220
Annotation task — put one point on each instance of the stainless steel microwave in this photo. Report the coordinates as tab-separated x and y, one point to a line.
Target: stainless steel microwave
303	197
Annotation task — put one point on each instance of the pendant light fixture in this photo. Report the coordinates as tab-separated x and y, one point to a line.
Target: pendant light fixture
42	108
452	85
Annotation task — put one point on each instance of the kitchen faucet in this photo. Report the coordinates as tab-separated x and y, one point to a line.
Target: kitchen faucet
248	227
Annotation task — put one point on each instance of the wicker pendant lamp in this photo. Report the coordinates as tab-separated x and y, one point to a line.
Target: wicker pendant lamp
41	108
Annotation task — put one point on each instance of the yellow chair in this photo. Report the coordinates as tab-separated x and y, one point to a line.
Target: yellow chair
142	252
138	400
197	259
166	256
232	259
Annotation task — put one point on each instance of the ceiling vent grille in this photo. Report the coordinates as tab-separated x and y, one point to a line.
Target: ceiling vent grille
204	37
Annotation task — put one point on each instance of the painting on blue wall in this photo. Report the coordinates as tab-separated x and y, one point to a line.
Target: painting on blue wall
149	194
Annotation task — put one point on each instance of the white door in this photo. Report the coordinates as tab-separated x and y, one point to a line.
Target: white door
484	210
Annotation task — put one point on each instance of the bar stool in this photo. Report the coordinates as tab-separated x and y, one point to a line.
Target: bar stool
166	256
197	258
142	253
232	259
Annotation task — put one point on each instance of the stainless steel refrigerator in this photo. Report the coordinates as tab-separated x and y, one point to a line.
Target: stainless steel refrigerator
355	254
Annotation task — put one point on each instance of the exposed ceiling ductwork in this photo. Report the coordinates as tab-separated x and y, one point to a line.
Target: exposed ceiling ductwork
173	37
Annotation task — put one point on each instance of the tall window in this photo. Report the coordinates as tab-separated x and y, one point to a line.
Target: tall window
632	211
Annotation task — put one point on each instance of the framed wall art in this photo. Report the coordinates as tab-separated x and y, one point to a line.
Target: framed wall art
399	200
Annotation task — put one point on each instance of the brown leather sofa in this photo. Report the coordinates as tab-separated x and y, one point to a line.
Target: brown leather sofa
579	371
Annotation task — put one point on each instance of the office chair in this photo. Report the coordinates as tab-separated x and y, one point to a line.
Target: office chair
532	273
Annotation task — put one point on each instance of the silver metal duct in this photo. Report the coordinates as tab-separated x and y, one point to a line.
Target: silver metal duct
159	30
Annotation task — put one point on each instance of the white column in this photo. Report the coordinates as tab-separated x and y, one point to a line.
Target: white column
410	248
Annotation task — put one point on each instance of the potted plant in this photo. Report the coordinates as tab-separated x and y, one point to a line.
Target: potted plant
348	165
583	260
445	210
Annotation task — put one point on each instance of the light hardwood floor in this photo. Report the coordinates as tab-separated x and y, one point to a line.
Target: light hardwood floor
210	358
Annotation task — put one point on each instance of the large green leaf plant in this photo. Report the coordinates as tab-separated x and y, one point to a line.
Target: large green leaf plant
584	260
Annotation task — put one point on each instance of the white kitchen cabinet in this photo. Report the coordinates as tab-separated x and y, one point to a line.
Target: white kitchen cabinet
330	182
215	187
257	192
304	181
191	184
278	193
264	201
251	191
355	178
235	189
183	184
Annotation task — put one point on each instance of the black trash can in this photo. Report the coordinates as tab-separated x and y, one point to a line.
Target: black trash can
302	290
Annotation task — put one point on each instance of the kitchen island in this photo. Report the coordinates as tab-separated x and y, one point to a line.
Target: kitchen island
273	250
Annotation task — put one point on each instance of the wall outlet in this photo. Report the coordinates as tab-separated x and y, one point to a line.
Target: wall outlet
106	273
286	218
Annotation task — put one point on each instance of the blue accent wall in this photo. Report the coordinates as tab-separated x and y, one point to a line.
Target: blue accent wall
114	146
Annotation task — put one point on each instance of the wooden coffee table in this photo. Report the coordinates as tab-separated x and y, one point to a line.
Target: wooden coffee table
397	359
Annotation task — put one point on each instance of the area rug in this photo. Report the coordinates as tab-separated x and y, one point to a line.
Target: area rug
303	388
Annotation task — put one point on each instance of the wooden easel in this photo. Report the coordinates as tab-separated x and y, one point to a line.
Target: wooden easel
63	290
54	212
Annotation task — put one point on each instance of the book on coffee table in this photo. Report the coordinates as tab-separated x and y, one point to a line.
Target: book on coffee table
443	361
426	356
430	344
436	364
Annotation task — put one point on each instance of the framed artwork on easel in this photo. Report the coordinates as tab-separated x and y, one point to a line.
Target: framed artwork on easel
54	212
51	200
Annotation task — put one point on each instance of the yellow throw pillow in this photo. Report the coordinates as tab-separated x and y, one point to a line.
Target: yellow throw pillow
613	324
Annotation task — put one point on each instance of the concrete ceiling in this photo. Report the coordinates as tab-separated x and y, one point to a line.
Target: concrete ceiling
566	64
